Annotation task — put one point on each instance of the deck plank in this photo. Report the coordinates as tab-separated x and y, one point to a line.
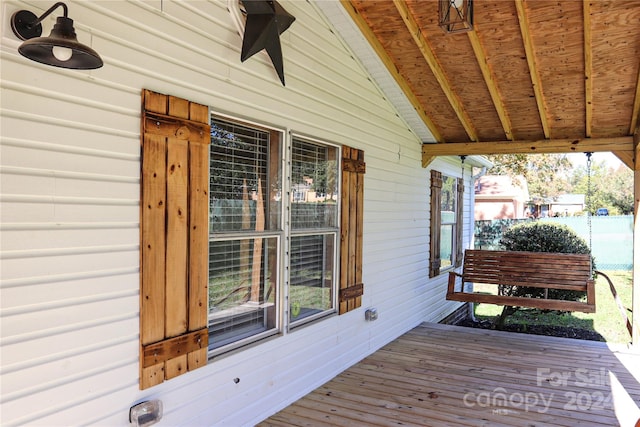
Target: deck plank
441	375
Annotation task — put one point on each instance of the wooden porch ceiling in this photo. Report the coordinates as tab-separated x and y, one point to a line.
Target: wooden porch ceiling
552	76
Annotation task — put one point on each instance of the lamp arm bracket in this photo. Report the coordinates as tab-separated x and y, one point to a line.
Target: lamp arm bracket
26	25
65	11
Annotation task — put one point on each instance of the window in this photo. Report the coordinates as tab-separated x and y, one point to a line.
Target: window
314	229
448	218
446	223
245	232
250	237
235	246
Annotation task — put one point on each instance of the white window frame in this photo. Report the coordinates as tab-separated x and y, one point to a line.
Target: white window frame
454	223
283	234
288	232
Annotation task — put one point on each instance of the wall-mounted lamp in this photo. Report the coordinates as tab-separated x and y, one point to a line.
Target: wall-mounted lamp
60	49
455	16
146	413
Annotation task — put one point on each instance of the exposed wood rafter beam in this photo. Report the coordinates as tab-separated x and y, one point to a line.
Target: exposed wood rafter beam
635	115
391	67
437	70
588	67
635	282
490	81
634	129
533	70
626	157
636	152
426	160
623	143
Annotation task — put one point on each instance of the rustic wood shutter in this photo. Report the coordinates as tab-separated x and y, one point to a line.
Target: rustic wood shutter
174	237
459	221
351	223
436	197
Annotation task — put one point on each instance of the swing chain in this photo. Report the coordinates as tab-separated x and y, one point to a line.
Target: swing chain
589	201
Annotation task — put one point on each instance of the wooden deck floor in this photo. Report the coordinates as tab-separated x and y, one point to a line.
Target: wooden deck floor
439	375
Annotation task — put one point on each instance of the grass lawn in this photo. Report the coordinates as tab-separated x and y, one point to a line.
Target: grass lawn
607	320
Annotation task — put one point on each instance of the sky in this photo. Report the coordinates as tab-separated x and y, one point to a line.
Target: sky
580	159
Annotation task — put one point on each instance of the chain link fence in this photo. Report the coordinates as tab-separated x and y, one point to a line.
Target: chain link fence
611	237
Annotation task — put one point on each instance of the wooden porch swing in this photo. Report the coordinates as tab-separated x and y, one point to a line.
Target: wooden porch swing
571	272
546	270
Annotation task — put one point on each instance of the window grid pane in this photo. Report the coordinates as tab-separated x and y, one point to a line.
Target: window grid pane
446	245
448	200
242	288
239	182
314	185
311	280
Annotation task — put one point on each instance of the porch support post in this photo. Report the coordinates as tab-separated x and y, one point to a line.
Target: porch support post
635	304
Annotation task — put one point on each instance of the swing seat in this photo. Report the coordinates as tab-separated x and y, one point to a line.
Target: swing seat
533	269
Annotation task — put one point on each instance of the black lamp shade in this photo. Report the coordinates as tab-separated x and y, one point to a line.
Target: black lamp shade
60	49
63	35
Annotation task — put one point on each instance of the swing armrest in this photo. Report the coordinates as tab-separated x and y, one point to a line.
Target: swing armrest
452	281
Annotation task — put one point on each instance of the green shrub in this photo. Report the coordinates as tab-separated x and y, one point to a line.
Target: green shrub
540	236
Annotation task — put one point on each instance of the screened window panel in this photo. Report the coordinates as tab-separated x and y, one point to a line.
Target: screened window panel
448	201
242	288
446	245
311	275
314	185
448	218
245	189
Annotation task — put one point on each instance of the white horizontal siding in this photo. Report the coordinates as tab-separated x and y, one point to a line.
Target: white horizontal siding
70	211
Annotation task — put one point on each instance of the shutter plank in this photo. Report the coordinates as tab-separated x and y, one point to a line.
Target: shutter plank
197	358
459	221
176	366
199	113
154	102
158	124
153	375
178	107
198	235
177	237
436	191
359	228
153	203
344	228
353	225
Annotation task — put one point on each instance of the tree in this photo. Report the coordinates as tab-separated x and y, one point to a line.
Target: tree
621	191
546	174
610	188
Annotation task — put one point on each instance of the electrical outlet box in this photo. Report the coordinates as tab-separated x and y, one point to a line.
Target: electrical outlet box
371	314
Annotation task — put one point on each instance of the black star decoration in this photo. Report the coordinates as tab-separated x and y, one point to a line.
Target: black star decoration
266	20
